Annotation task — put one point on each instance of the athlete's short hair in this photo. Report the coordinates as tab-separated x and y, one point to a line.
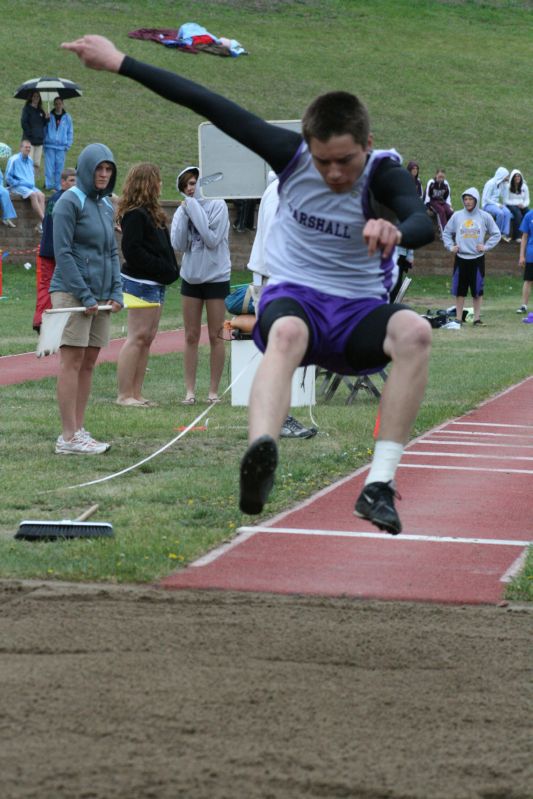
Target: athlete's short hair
334	114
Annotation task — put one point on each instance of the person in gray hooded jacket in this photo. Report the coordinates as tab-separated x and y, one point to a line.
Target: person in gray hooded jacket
200	230
469	234
87	273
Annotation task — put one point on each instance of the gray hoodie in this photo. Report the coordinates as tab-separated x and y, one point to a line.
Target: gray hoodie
199	230
467	229
87	262
495	190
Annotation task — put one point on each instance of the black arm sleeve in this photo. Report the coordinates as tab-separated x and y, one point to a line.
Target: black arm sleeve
393	186
274	144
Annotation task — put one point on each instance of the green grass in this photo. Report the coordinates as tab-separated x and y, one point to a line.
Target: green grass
435	75
185	501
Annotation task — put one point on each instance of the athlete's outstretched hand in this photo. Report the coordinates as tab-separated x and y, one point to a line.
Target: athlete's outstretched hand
96	52
382	235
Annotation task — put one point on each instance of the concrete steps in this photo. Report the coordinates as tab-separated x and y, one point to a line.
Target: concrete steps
430	260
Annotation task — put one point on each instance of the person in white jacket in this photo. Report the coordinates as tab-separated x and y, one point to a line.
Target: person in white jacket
469	234
494	200
200	230
517	201
291	427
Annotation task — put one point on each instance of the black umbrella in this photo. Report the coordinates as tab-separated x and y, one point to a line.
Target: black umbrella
48	89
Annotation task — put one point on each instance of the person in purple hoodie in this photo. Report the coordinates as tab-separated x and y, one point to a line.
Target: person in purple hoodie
439	198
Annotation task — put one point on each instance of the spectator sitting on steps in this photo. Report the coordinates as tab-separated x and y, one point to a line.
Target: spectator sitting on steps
7	207
20	179
494	198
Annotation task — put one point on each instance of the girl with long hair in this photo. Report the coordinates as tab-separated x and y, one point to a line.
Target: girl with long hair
149	267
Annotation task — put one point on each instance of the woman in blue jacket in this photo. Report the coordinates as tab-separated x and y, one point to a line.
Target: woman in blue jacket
58	137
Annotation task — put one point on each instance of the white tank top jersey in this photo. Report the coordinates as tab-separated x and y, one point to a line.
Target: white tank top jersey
316	238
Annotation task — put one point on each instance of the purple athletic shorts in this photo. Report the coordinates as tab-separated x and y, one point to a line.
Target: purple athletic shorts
332	320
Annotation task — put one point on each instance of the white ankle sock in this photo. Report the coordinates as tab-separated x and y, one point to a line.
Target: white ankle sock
387	455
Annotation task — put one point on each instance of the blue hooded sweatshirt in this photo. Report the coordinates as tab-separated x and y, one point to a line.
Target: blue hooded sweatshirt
59	132
87	262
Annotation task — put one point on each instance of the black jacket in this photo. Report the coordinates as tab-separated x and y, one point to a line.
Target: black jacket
147	249
33	121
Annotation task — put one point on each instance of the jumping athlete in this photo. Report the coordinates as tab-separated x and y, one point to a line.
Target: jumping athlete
330	255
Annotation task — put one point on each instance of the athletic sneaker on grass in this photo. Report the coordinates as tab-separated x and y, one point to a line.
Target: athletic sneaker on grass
81	443
292	428
376	505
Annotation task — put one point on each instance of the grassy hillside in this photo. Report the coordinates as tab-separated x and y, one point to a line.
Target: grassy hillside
447	82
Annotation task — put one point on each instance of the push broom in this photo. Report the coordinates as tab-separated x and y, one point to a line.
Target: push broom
65	529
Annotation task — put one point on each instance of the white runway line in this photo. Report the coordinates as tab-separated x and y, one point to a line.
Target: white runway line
496	456
445	539
515	568
493	424
242	535
480	434
491	444
462	468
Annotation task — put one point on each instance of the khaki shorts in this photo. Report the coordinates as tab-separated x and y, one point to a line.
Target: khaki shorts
36	153
82	330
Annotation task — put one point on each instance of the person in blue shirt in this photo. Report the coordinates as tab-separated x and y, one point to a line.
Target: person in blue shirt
58	138
20	179
526	259
6	206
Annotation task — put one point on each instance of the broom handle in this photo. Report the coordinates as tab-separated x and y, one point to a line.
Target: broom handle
77	310
86	513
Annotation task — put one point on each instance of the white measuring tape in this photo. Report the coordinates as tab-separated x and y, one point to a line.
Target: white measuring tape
169	443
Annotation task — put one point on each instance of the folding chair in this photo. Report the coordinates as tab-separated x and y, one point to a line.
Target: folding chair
331	381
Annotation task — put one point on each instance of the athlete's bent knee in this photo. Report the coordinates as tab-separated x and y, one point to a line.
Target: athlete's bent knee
288	334
408	334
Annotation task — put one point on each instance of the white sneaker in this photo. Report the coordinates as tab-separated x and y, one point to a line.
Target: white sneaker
39	228
522	309
80	444
82	433
8	223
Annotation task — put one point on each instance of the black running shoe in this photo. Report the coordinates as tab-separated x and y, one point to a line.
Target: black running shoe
257	474
376	505
292	428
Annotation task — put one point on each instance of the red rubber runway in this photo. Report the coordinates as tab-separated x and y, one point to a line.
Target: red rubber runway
19	368
466	508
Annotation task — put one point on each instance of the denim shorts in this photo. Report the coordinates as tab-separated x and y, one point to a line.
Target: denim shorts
144	291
